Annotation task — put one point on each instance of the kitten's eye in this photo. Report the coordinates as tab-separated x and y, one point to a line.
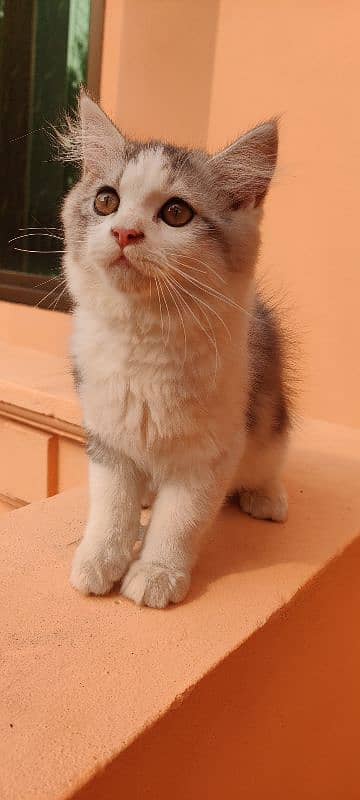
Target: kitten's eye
176	212
106	201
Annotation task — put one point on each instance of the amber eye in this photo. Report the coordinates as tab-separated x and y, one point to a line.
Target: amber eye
106	201
176	212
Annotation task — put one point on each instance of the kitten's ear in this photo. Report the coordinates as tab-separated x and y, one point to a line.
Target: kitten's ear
99	136
245	168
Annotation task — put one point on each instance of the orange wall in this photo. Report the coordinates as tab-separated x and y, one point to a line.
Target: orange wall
303	60
157	66
201	72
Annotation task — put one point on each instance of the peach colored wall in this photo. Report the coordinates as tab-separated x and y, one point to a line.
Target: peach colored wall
303	60
201	72
157	66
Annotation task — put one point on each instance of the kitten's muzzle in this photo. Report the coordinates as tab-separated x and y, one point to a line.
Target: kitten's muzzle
126	236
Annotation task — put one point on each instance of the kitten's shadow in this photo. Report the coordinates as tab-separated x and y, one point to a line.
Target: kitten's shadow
320	515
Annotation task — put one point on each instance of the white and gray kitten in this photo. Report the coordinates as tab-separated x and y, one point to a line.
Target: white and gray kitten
179	362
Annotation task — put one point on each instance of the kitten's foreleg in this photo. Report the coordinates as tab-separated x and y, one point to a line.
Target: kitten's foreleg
183	510
112	528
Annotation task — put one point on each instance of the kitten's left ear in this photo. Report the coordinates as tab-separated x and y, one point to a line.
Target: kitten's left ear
100	137
245	168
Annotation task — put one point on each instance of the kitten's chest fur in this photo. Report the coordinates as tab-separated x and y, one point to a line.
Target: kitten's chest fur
137	392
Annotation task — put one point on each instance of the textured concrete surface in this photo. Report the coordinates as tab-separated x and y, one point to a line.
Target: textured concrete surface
82	678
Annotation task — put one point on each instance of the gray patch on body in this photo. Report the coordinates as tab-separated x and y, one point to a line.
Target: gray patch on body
269	396
99	452
75	371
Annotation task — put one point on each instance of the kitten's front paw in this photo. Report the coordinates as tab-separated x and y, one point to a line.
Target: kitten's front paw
94	570
154	585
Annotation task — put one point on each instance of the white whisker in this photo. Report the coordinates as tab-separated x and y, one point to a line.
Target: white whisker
39	252
210	308
48	280
168	312
40	228
210	290
160	307
58	298
169	287
42	299
198	260
212	339
27	235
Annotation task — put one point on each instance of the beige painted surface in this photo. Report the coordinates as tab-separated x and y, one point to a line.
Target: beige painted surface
5	505
303	60
36	328
157	67
37	402
38	381
27	462
72	464
82	677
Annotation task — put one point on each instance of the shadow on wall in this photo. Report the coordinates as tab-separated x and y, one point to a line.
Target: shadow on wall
320	501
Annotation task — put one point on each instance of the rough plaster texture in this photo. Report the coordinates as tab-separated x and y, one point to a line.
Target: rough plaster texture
39	382
82	678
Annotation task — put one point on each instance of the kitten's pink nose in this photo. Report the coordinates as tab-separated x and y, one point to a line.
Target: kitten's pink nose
127	236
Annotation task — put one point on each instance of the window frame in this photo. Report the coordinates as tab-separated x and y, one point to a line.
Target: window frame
44	290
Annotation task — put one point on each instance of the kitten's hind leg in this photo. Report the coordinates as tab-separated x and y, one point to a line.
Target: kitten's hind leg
258	483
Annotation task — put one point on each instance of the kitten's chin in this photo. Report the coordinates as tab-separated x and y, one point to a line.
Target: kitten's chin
126	276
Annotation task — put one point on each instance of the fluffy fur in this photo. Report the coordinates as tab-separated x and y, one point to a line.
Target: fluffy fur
180	364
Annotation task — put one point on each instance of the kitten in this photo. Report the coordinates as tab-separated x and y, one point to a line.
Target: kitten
180	363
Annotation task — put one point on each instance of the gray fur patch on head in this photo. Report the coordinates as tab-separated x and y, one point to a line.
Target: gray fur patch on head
241	172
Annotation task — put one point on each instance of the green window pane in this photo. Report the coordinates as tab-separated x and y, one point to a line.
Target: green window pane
43	60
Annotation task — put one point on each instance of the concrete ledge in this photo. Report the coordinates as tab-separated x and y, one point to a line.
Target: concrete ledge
36	328
38	382
85	680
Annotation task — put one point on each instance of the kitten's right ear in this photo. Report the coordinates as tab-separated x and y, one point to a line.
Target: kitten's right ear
89	137
100	137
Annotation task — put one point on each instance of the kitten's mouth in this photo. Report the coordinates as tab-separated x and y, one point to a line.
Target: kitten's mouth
122	265
120	261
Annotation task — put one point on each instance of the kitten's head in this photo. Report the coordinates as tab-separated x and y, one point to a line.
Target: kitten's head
149	212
